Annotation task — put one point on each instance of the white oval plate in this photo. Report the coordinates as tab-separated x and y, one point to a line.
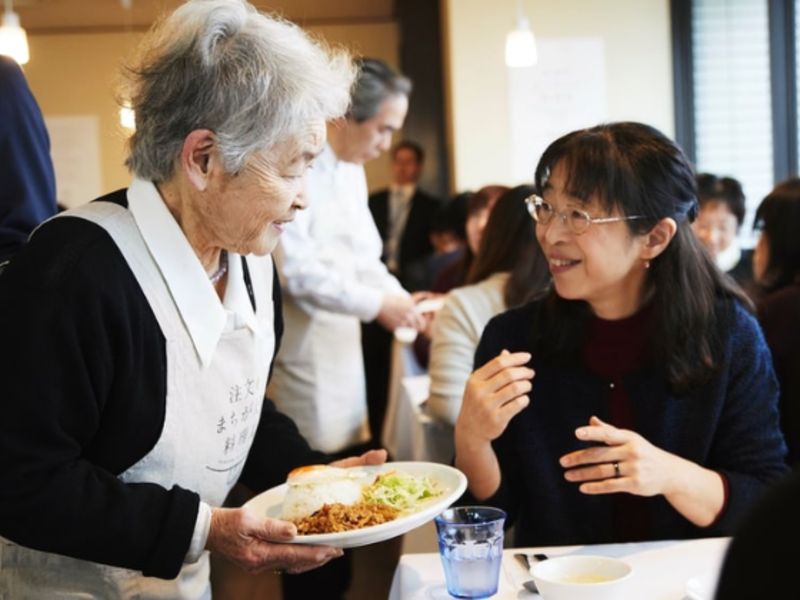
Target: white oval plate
701	587
451	482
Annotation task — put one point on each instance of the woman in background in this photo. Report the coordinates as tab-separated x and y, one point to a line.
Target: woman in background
776	268
637	399
479	205
722	209
509	270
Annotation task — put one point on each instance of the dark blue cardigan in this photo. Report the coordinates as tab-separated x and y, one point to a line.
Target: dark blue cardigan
729	424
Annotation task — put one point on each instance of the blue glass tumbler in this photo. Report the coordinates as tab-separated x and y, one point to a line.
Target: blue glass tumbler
471	548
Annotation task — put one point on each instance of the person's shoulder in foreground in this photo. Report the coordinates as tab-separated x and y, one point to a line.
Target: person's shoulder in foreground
761	561
27	179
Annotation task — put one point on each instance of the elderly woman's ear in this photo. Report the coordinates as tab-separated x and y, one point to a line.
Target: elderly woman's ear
198	155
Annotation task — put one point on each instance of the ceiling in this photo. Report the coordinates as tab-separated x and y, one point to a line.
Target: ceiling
44	16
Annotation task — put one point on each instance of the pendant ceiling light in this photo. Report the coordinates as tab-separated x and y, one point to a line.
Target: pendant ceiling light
521	43
13	41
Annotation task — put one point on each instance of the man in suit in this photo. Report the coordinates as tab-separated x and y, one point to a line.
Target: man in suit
404	214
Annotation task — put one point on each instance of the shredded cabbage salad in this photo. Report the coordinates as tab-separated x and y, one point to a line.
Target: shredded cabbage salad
400	491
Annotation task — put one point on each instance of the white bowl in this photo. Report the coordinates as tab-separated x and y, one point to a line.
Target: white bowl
581	577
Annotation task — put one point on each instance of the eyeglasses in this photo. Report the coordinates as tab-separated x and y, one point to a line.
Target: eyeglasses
577	220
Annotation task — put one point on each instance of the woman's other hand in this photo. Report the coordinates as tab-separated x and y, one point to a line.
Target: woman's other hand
627	462
257	543
641	468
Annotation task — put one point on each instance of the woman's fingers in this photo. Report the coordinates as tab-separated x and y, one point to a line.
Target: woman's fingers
502	361
599	431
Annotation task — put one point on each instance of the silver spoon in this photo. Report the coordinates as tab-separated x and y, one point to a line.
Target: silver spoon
525	561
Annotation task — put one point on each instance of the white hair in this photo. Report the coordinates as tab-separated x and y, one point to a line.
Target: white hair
253	79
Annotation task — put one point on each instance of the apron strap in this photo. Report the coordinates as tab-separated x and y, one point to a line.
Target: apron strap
121	226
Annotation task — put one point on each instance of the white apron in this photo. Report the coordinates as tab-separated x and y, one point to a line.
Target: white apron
318	377
210	421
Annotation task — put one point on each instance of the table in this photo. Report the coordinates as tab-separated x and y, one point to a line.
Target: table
660	569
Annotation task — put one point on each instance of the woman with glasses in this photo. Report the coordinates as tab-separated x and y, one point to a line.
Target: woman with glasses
637	400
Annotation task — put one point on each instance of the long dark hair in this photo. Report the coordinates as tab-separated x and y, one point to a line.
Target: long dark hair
778	216
634	168
509	244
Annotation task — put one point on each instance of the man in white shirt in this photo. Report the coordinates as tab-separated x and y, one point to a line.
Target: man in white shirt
333	278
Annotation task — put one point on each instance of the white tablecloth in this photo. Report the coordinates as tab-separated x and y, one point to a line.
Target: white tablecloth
660	569
409	433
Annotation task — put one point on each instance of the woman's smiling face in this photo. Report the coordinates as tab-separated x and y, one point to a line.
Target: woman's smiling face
250	208
602	266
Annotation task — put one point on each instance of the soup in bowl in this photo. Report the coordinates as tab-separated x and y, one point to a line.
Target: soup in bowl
581	577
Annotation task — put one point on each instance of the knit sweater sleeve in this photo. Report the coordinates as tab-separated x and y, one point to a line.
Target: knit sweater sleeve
79	340
506	331
748	448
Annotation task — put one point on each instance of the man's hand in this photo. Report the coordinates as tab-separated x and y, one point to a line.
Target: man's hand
399	311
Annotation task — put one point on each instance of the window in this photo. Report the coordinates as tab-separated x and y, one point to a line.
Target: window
736	106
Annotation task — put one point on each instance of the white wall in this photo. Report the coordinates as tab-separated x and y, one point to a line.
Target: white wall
636	37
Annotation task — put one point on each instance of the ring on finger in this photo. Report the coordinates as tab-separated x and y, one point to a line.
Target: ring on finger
617	473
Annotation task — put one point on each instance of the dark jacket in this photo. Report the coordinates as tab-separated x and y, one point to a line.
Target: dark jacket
27	179
415	243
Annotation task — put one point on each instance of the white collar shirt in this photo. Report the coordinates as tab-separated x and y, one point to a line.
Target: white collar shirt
205	317
330	255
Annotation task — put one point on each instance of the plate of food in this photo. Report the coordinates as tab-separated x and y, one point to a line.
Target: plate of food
357	506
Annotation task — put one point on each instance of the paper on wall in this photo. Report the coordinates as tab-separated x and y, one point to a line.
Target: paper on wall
75	149
564	91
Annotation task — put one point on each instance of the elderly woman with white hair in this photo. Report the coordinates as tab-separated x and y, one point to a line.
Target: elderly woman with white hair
140	328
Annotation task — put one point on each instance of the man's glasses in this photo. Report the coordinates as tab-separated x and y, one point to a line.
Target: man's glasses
577	220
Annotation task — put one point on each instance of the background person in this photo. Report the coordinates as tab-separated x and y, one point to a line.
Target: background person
334	279
143	326
722	211
27	179
405	214
509	270
637	400
759	562
776	269
479	205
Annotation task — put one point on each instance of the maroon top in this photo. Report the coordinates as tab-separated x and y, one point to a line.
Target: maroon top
613	350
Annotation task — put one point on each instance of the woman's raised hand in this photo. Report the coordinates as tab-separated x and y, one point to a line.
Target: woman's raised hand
495	393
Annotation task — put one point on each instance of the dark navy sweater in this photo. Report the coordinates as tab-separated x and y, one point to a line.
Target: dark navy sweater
729	425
